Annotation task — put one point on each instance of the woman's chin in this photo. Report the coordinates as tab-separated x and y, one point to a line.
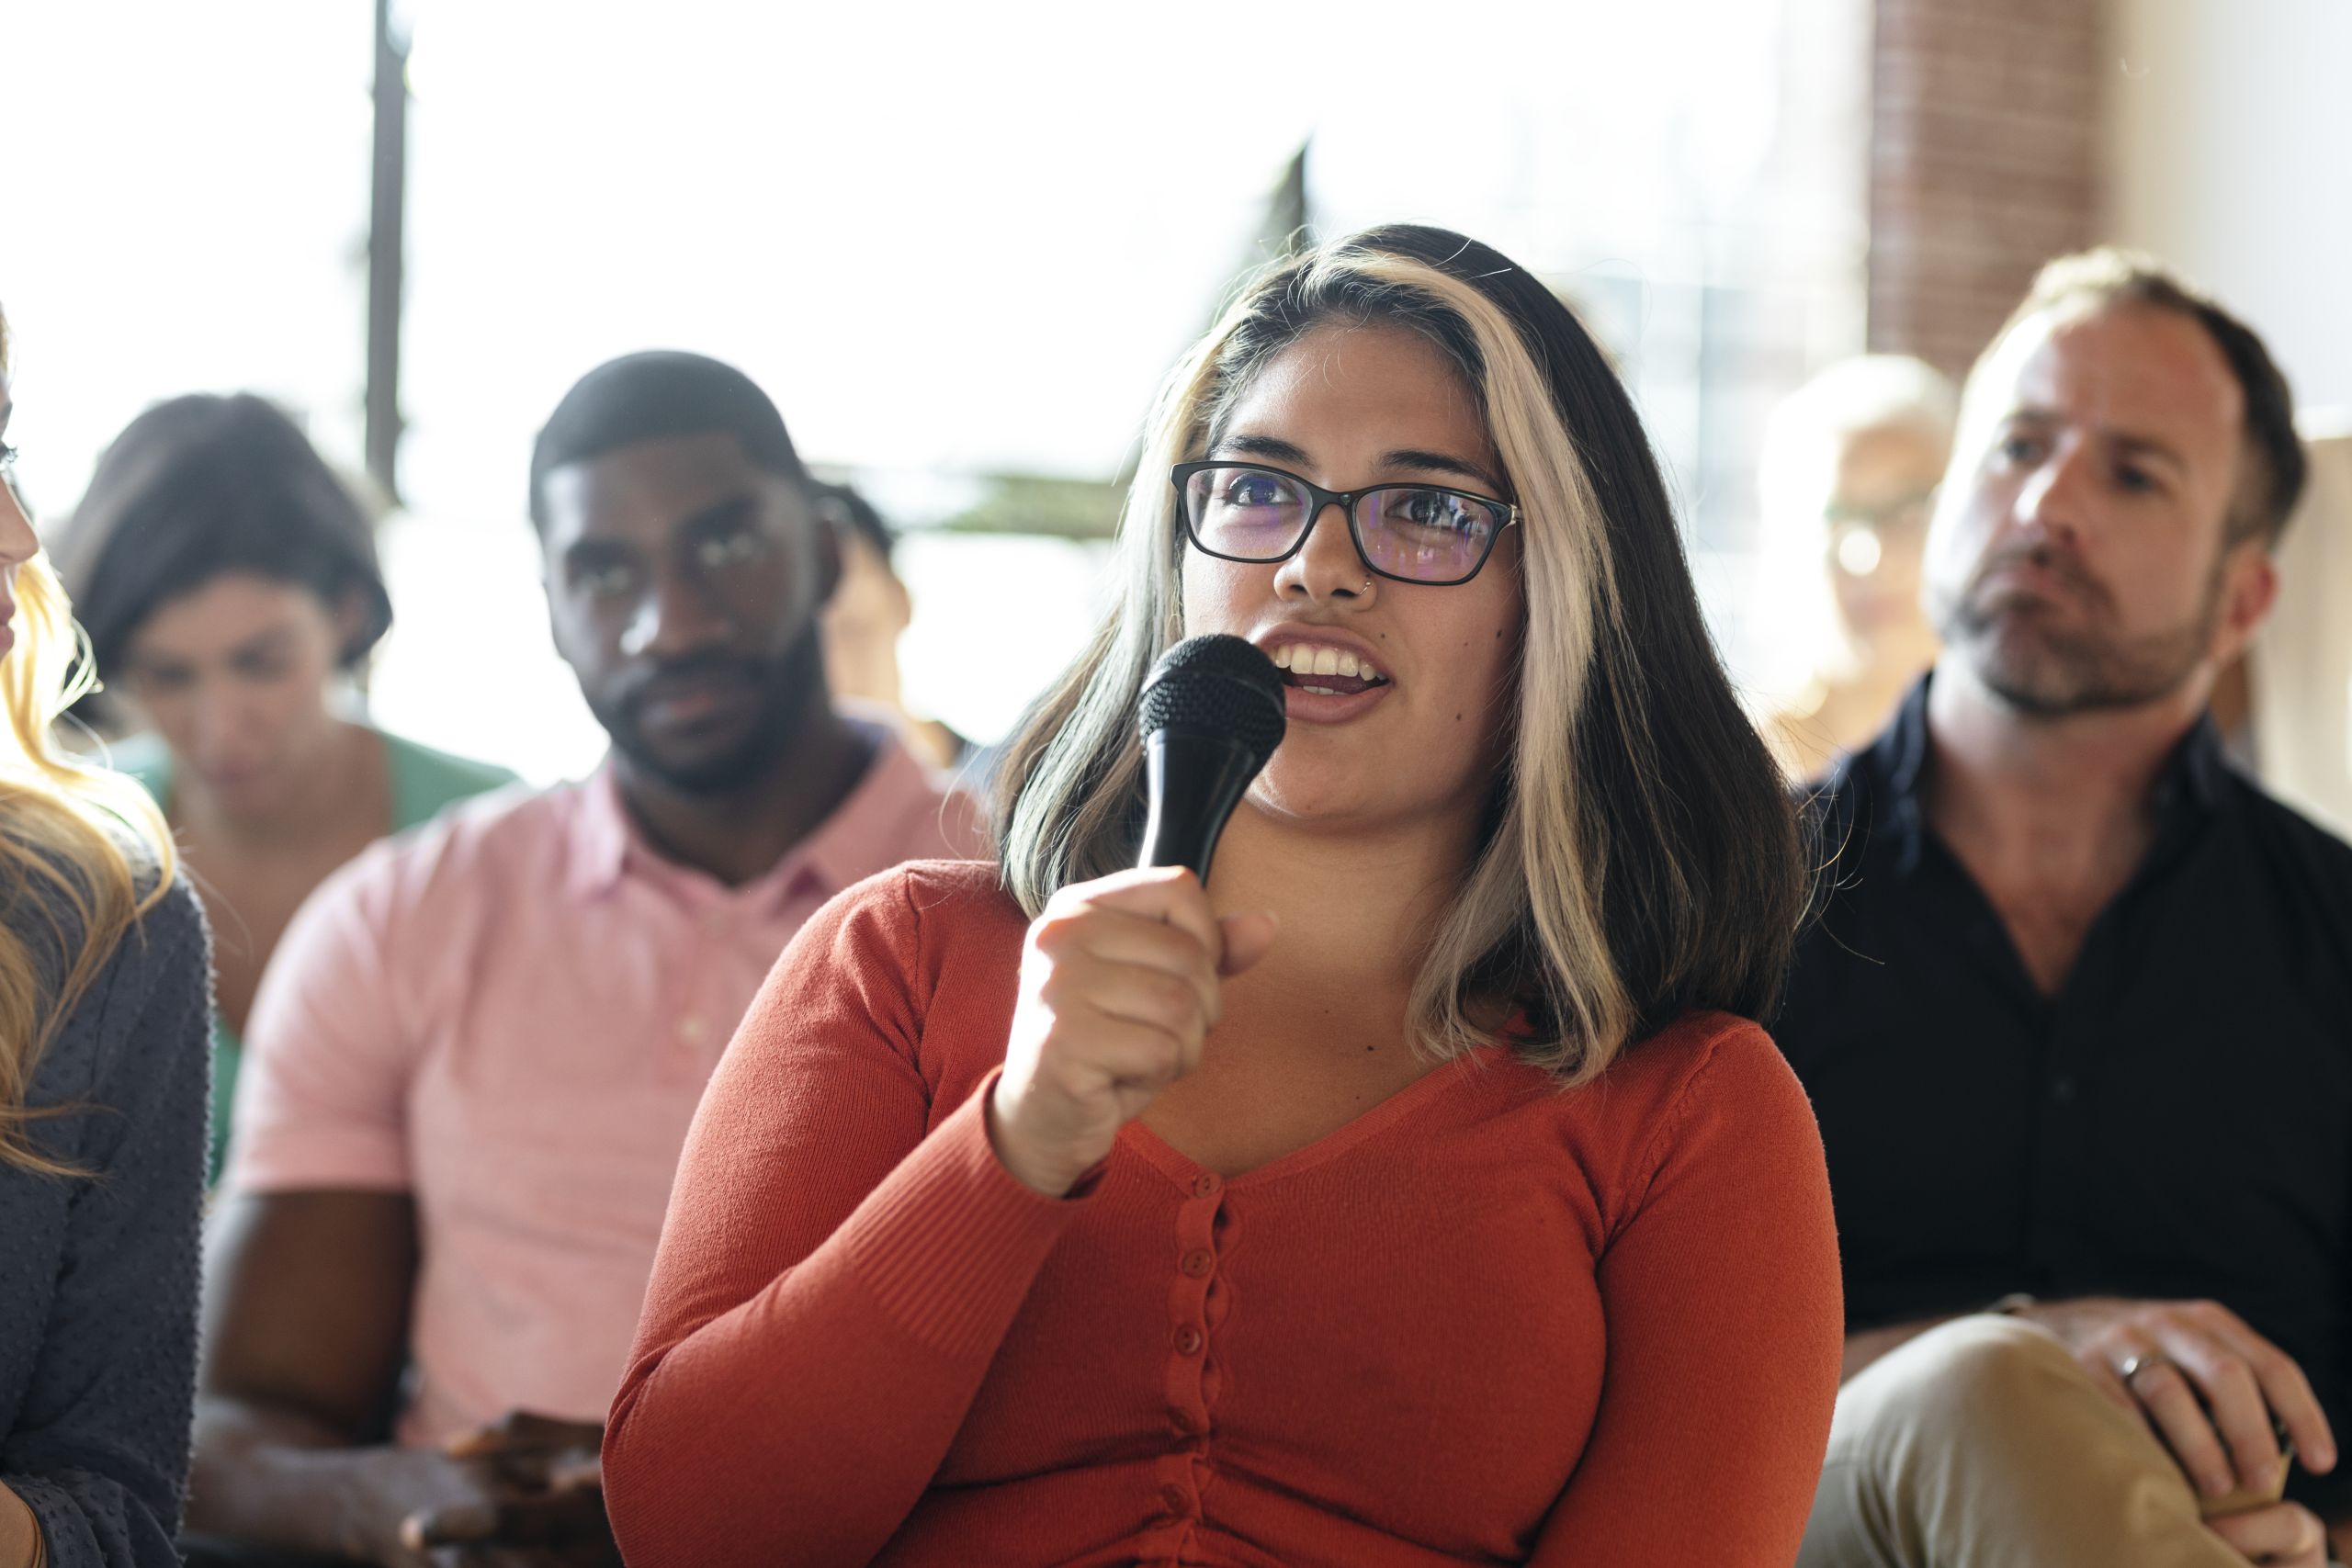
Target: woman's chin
1301	801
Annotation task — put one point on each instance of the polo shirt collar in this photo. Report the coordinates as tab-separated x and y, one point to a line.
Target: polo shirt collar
607	845
601	836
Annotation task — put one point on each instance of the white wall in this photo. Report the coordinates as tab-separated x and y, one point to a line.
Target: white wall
2229	155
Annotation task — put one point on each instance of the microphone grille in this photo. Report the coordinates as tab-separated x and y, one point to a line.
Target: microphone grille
1215	686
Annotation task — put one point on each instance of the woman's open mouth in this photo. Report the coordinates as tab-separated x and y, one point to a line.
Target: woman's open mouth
1323	684
1325	670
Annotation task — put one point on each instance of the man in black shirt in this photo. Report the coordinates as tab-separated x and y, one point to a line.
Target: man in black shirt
2078	1016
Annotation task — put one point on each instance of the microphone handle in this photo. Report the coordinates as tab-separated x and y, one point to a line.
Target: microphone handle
1193	783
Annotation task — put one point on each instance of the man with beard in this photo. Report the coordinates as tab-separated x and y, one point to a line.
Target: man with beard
474	1058
2076	1018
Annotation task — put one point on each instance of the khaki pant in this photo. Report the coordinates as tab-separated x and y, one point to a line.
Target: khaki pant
1983	1444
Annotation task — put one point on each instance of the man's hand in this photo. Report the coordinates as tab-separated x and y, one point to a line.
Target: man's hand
2281	1536
306	1303
527	1490
2205	1383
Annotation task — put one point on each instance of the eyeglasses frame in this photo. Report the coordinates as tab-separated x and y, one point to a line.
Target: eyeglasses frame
1181	474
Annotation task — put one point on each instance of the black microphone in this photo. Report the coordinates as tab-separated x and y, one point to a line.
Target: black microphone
1210	716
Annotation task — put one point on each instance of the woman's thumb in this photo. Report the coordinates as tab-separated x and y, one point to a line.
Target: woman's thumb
1246	939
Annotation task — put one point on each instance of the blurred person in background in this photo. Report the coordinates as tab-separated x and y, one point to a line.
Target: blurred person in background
472	1066
1080	1213
228	580
869	612
2077	1017
103	1004
2299	669
1852	462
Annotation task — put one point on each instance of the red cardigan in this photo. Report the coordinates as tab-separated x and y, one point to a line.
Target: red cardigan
1485	1323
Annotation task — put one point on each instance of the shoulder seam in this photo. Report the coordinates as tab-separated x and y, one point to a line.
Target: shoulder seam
1670	1126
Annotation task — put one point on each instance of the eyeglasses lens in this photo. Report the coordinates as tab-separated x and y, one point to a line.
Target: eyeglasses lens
1415	532
1246	513
1429	535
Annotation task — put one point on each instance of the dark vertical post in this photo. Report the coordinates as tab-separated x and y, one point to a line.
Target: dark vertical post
387	209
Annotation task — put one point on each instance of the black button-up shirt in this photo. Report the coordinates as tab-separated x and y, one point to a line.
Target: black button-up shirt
2177	1121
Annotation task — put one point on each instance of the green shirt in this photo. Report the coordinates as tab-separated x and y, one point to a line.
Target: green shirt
423	782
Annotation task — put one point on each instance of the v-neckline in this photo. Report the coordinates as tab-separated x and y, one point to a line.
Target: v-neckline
1184	1170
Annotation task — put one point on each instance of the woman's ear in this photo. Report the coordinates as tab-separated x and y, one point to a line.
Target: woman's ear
828	543
353	615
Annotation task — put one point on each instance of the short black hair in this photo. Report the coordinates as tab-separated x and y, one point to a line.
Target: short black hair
201	486
658	393
2275	467
845	509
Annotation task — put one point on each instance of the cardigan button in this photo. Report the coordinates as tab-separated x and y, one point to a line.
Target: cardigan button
1181	1421
1205	1185
1175	1499
1189	1340
1197	1263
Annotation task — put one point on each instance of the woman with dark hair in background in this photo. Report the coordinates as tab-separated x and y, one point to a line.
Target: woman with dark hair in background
864	621
228	580
1460	1212
103	1008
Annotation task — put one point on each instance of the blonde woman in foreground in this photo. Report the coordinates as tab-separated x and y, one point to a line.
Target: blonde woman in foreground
105	1005
1420	1192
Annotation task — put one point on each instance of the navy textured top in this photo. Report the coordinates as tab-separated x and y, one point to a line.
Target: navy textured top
98	1272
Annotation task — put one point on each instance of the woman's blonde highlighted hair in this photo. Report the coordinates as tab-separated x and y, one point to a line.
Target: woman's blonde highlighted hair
1641	858
82	852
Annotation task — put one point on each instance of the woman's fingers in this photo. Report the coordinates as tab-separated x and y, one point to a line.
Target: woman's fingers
1122	937
1119	988
1162	922
2283	1535
1165	893
1138	1052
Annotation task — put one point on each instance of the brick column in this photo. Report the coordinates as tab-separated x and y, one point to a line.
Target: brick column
1984	163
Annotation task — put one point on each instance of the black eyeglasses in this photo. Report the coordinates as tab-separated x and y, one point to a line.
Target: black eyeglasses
1244	511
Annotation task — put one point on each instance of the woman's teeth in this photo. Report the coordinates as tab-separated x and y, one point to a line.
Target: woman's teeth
1302	660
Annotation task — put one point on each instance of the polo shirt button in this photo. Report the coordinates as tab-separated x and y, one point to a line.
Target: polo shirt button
1197	1263
1188	1341
1176	1499
1205	1185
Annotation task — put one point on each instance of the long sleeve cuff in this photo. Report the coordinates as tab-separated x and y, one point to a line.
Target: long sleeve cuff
951	1234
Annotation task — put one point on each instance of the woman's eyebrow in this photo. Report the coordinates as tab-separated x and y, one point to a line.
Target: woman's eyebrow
1267	446
1275	449
1439	463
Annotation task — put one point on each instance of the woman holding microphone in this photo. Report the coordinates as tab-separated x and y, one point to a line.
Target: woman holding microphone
1420	1192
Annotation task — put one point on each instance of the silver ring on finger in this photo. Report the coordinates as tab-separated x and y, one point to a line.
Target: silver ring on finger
2139	1362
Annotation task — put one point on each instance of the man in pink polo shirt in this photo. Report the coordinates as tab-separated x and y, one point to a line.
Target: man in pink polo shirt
473	1060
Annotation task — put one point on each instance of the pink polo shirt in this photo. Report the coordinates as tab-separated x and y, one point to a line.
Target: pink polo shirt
511	1013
